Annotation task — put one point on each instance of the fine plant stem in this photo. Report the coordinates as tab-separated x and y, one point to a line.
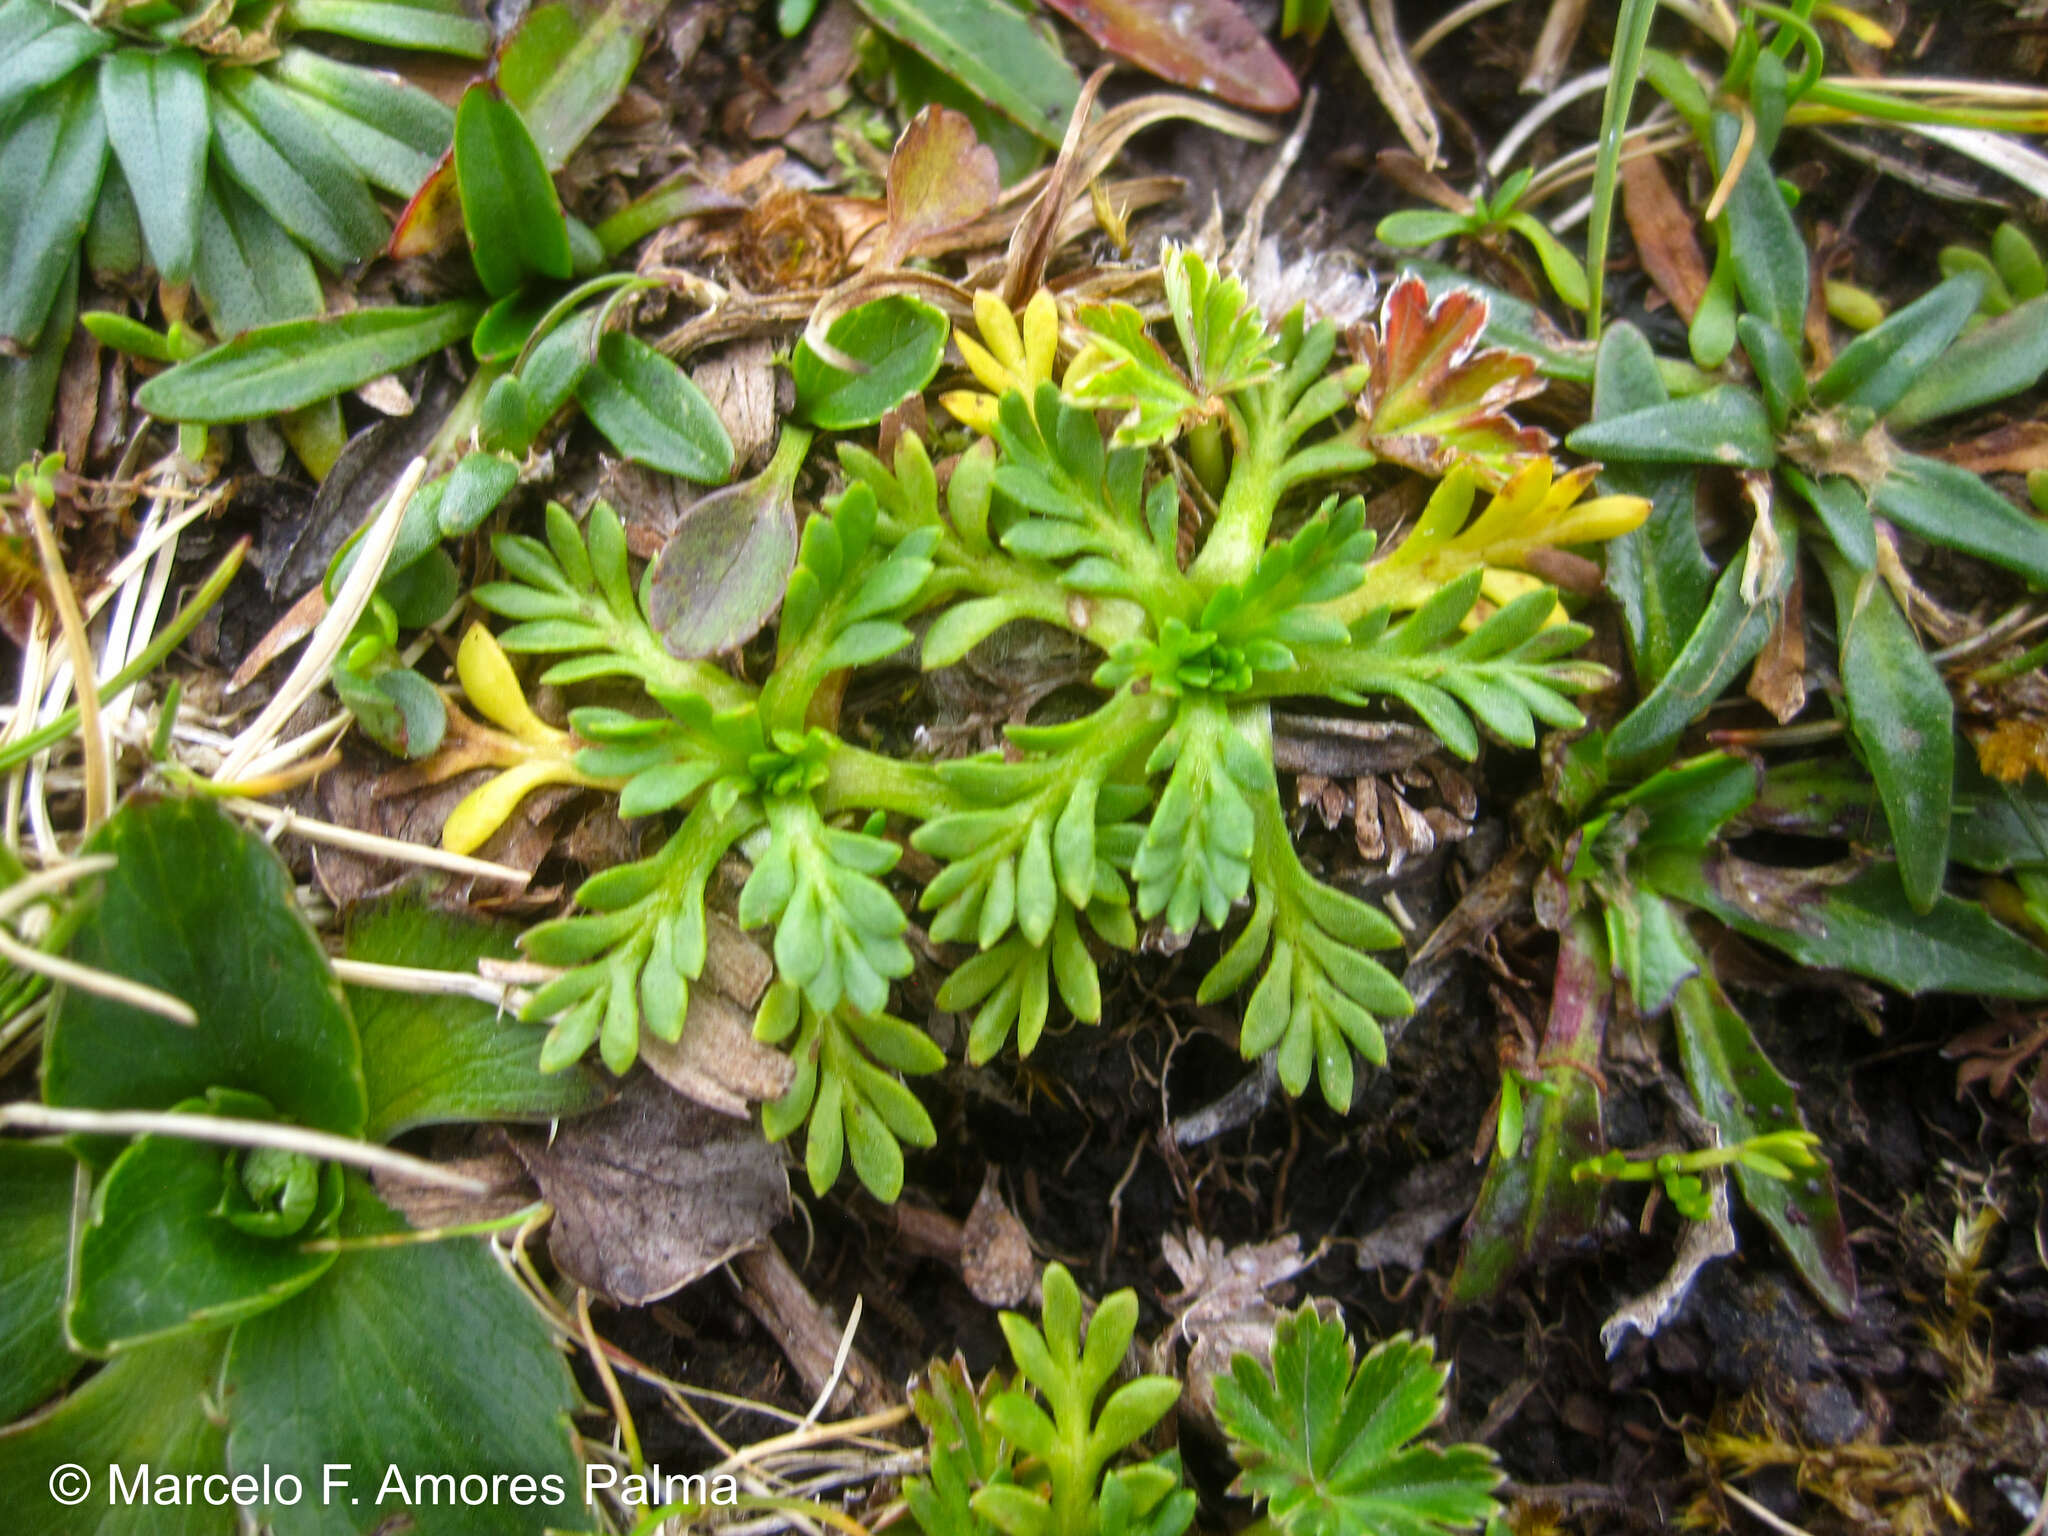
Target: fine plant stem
1632	36
223	1131
872	781
99	773
167	641
413	1237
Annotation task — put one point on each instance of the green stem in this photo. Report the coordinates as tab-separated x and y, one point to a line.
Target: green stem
165	642
861	780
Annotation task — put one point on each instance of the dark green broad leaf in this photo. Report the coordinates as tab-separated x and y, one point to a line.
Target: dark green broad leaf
509	208
114	249
1744	1095
1994	827
284	160
51	157
392	132
424	1357
650	411
271	1017
28	385
1864	925
1529	1206
1998	826
501	335
282	367
44	43
1763	241
1903	719
1947	505
1993	362
152	1407
722	572
155	109
249	271
1725	425
35	1213
1726	640
1648	941
431	1059
1687	804
431	26
1876	370
899	340
158	1255
992	48
1658	573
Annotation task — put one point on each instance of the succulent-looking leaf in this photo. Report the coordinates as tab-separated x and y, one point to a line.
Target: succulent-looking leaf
898	340
1330	1450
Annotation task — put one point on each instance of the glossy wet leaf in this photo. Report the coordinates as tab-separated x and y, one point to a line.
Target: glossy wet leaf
509	208
1209	46
151	1407
899	339
722	573
281	367
271	1018
35	1209
156	115
1744	1095
1904	720
154	1257
51	157
992	49
651	412
424	1357
432	1059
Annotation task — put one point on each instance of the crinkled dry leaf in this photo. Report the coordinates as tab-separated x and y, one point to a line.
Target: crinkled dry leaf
1223	1308
652	1192
1436	396
995	1251
941	176
1701	1243
717	1062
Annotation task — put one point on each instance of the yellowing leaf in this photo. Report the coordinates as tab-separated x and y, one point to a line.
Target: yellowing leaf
1005	358
493	687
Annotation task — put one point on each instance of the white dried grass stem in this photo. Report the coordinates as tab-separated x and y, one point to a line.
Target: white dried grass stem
333	631
1576	89
371	845
224	1131
420	980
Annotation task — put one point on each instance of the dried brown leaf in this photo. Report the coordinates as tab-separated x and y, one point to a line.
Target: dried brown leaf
1209	46
995	1251
941	177
1664	234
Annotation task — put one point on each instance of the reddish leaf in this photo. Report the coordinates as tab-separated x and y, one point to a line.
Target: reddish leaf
941	176
1435	396
1205	45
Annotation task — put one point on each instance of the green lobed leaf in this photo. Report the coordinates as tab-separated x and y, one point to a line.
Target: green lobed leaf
432	1059
156	116
156	1260
153	1407
282	367
271	1017
424	1357
900	340
35	1211
651	412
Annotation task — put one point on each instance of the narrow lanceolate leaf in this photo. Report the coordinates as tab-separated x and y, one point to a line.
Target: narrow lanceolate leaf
1878	368
433	26
157	121
1658	573
43	45
249	271
391	131
652	413
282	367
1725	425
1991	363
1209	46
1764	245
28	385
509	208
284	160
51	159
1947	505
989	47
1904	721
1744	1095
